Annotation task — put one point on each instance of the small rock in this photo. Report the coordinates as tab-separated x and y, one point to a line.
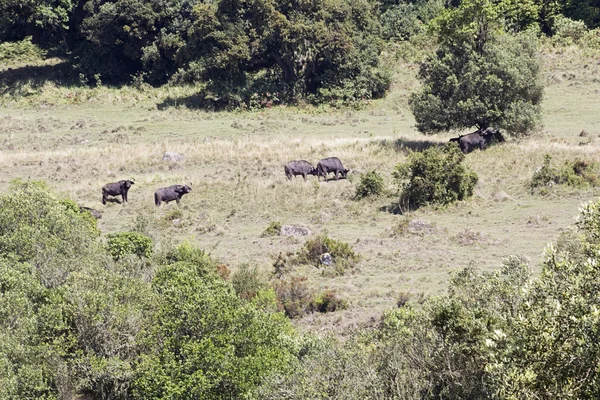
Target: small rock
293	230
326	259
171	156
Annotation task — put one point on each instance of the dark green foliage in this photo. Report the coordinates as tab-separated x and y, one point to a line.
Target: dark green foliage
266	52
478	77
404	19
573	173
342	254
205	342
52	234
273	229
121	244
371	184
435	176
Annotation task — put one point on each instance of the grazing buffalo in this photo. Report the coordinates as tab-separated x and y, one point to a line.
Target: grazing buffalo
174	192
330	164
115	189
299	167
479	138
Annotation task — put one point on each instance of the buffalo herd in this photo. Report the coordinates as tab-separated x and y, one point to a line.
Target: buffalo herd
467	143
174	192
325	166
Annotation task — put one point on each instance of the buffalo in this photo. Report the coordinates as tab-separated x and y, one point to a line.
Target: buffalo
330	164
299	167
480	138
174	192
115	189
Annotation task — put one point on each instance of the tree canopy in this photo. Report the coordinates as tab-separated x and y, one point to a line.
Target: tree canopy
479	76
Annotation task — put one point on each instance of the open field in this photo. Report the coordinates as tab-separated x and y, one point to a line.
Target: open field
79	139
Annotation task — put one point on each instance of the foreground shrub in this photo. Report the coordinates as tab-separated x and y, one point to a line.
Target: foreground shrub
435	176
51	233
371	184
121	244
205	342
335	255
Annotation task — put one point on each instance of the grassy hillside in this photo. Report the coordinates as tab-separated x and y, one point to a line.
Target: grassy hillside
78	139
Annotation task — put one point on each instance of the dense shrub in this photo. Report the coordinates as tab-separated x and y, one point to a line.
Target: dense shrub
567	31
294	297
315	250
205	342
329	301
248	281
371	184
53	234
21	51
403	20
435	176
123	243
576	173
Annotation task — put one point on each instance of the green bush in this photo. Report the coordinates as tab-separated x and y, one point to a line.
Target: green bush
329	301
568	31
248	281
273	229
121	244
342	254
19	52
51	233
435	176
204	342
576	173
371	184
294	297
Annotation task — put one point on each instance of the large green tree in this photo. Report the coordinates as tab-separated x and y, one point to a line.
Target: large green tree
479	76
268	51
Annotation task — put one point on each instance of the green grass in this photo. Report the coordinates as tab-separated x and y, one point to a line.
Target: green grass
79	139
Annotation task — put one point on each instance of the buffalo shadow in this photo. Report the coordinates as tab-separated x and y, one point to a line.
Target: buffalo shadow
407	145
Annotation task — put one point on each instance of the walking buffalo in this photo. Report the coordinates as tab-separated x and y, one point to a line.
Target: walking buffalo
330	164
299	167
115	189
174	192
479	138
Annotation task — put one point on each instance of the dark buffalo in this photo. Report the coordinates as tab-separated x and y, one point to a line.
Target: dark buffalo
299	167
330	164
174	192
479	138
115	189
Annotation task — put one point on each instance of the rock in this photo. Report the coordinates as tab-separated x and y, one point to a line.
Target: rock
171	156
326	259
293	230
